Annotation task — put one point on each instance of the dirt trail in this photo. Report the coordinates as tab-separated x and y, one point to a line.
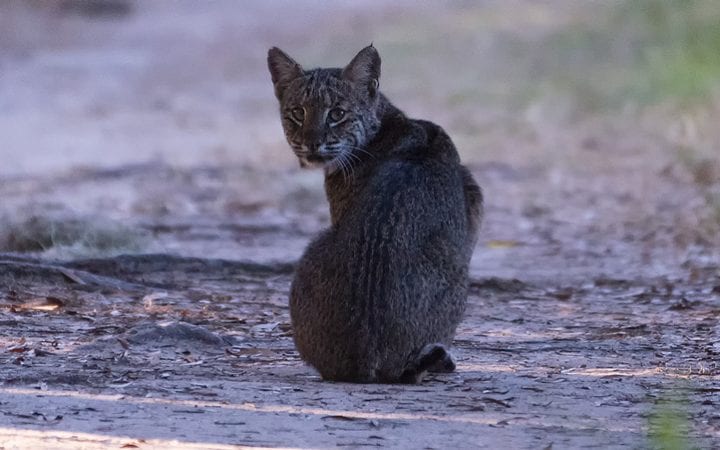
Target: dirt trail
593	314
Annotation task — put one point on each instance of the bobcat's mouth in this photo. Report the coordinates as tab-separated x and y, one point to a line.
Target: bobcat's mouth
308	160
317	158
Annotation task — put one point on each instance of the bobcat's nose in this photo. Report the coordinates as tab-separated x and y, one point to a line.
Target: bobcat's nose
316	149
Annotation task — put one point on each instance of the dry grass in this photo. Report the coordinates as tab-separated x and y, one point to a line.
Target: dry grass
69	236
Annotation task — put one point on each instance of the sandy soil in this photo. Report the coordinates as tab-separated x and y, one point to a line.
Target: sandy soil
593	314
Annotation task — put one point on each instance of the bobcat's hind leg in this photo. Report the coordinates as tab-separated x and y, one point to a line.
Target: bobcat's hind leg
351	373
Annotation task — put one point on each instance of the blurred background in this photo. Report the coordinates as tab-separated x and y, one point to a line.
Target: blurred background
151	126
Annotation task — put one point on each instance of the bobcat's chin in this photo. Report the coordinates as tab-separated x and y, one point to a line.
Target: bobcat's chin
314	161
330	166
306	164
331	161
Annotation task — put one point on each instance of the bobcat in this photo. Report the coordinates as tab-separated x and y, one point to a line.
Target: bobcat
376	297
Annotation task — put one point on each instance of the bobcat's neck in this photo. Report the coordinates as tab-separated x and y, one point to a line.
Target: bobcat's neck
341	187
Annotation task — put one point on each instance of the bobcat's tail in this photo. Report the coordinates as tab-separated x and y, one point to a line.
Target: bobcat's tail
432	357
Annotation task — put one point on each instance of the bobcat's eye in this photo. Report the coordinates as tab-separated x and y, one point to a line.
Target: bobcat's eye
336	115
298	114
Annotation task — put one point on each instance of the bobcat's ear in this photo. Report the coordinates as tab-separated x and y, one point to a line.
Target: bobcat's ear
364	70
283	69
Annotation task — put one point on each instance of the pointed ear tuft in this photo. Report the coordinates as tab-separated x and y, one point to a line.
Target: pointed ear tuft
283	69
364	70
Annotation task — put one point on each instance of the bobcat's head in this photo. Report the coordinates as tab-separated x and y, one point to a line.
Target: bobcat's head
329	115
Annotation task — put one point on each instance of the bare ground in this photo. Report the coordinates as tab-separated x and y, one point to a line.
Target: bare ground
593	315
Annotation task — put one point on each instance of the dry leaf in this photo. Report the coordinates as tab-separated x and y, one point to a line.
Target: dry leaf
41	304
18	349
